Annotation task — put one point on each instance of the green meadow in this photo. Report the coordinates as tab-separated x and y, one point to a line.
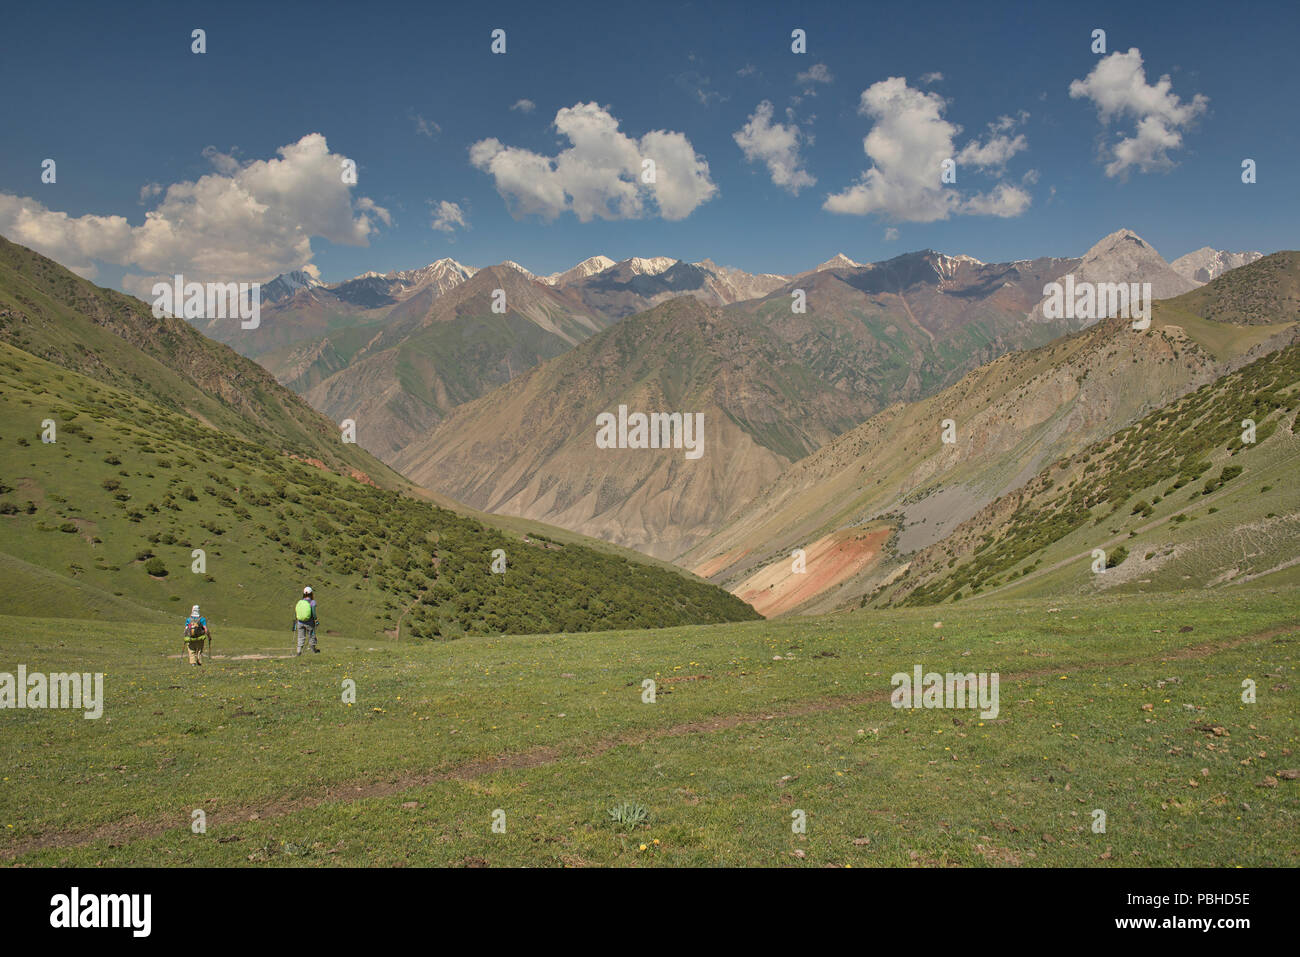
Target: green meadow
766	743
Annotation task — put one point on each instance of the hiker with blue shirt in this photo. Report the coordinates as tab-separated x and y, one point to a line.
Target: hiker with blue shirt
305	620
196	630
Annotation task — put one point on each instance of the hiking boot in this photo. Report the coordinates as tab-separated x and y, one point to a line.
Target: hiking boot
315	650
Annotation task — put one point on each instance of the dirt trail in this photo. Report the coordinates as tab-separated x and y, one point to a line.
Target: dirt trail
135	829
207	656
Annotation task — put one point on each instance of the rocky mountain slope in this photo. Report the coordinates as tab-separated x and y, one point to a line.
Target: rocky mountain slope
773	385
1187	497
1125	257
529	448
893	486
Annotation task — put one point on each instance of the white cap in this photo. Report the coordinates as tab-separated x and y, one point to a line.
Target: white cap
194	610
307	590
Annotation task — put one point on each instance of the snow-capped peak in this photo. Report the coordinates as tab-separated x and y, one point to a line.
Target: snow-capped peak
650	267
286	284
946	266
588	267
838	261
1207	263
443	268
514	265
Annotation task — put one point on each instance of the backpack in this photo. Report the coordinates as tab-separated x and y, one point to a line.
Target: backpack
194	628
303	610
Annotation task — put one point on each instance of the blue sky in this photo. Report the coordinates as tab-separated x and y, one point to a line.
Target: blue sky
114	94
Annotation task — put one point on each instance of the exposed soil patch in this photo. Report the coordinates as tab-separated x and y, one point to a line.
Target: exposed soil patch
829	560
714	565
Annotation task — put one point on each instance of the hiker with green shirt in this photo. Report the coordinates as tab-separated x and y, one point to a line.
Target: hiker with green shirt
305	620
196	630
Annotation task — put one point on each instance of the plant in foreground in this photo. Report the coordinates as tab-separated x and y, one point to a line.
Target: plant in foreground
628	815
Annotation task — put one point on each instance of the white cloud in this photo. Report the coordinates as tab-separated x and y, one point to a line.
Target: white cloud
1118	87
225	163
777	145
891	233
426	127
817	73
1004	123
683	175
448	217
599	175
524	106
74	241
907	145
994	152
1003	200
244	222
928	78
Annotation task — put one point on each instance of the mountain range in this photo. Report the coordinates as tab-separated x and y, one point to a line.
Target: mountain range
807	384
774	385
396	352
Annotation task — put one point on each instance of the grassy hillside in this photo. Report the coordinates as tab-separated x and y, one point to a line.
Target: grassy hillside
1128	706
1265	291
113	509
115	339
1176	500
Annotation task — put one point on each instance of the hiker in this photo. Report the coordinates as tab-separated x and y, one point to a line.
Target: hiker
196	629
305	620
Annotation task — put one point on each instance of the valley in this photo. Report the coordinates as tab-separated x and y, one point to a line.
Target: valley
749	436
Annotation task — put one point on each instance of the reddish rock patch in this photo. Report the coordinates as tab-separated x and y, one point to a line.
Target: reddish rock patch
830	560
